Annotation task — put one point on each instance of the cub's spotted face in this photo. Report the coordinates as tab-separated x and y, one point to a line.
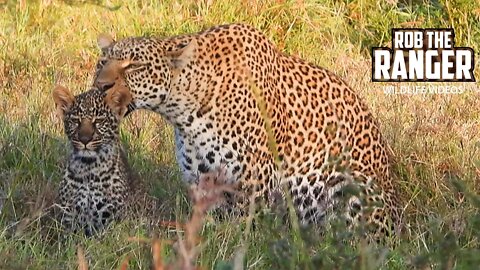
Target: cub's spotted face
96	182
90	123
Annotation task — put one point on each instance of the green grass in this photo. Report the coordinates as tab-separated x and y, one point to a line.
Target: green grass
435	138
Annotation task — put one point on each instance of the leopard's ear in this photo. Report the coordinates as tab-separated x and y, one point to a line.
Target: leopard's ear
113	71
104	40
118	98
63	99
125	66
179	58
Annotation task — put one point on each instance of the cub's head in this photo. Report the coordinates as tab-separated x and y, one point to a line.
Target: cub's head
91	119
147	66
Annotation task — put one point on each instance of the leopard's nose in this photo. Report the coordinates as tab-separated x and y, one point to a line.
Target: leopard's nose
104	86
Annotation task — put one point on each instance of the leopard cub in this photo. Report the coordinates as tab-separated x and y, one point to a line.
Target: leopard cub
97	182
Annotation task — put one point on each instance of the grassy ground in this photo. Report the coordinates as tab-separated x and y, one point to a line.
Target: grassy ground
436	138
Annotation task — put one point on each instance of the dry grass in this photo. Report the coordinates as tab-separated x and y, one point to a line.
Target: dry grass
435	138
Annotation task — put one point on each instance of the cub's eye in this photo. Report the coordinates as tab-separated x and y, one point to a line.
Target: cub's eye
74	122
99	121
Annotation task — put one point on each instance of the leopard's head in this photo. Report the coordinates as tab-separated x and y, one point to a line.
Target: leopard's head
144	65
91	119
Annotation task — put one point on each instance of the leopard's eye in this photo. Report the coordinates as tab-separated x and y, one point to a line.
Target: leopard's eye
101	63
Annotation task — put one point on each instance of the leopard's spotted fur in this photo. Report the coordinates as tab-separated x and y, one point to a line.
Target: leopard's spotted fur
219	87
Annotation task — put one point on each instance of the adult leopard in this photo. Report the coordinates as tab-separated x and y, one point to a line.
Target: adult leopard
229	94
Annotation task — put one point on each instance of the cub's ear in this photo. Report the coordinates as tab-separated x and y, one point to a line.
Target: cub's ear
63	99
118	98
104	40
181	57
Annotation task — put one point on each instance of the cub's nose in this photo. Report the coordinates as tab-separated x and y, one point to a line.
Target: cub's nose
85	138
85	134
